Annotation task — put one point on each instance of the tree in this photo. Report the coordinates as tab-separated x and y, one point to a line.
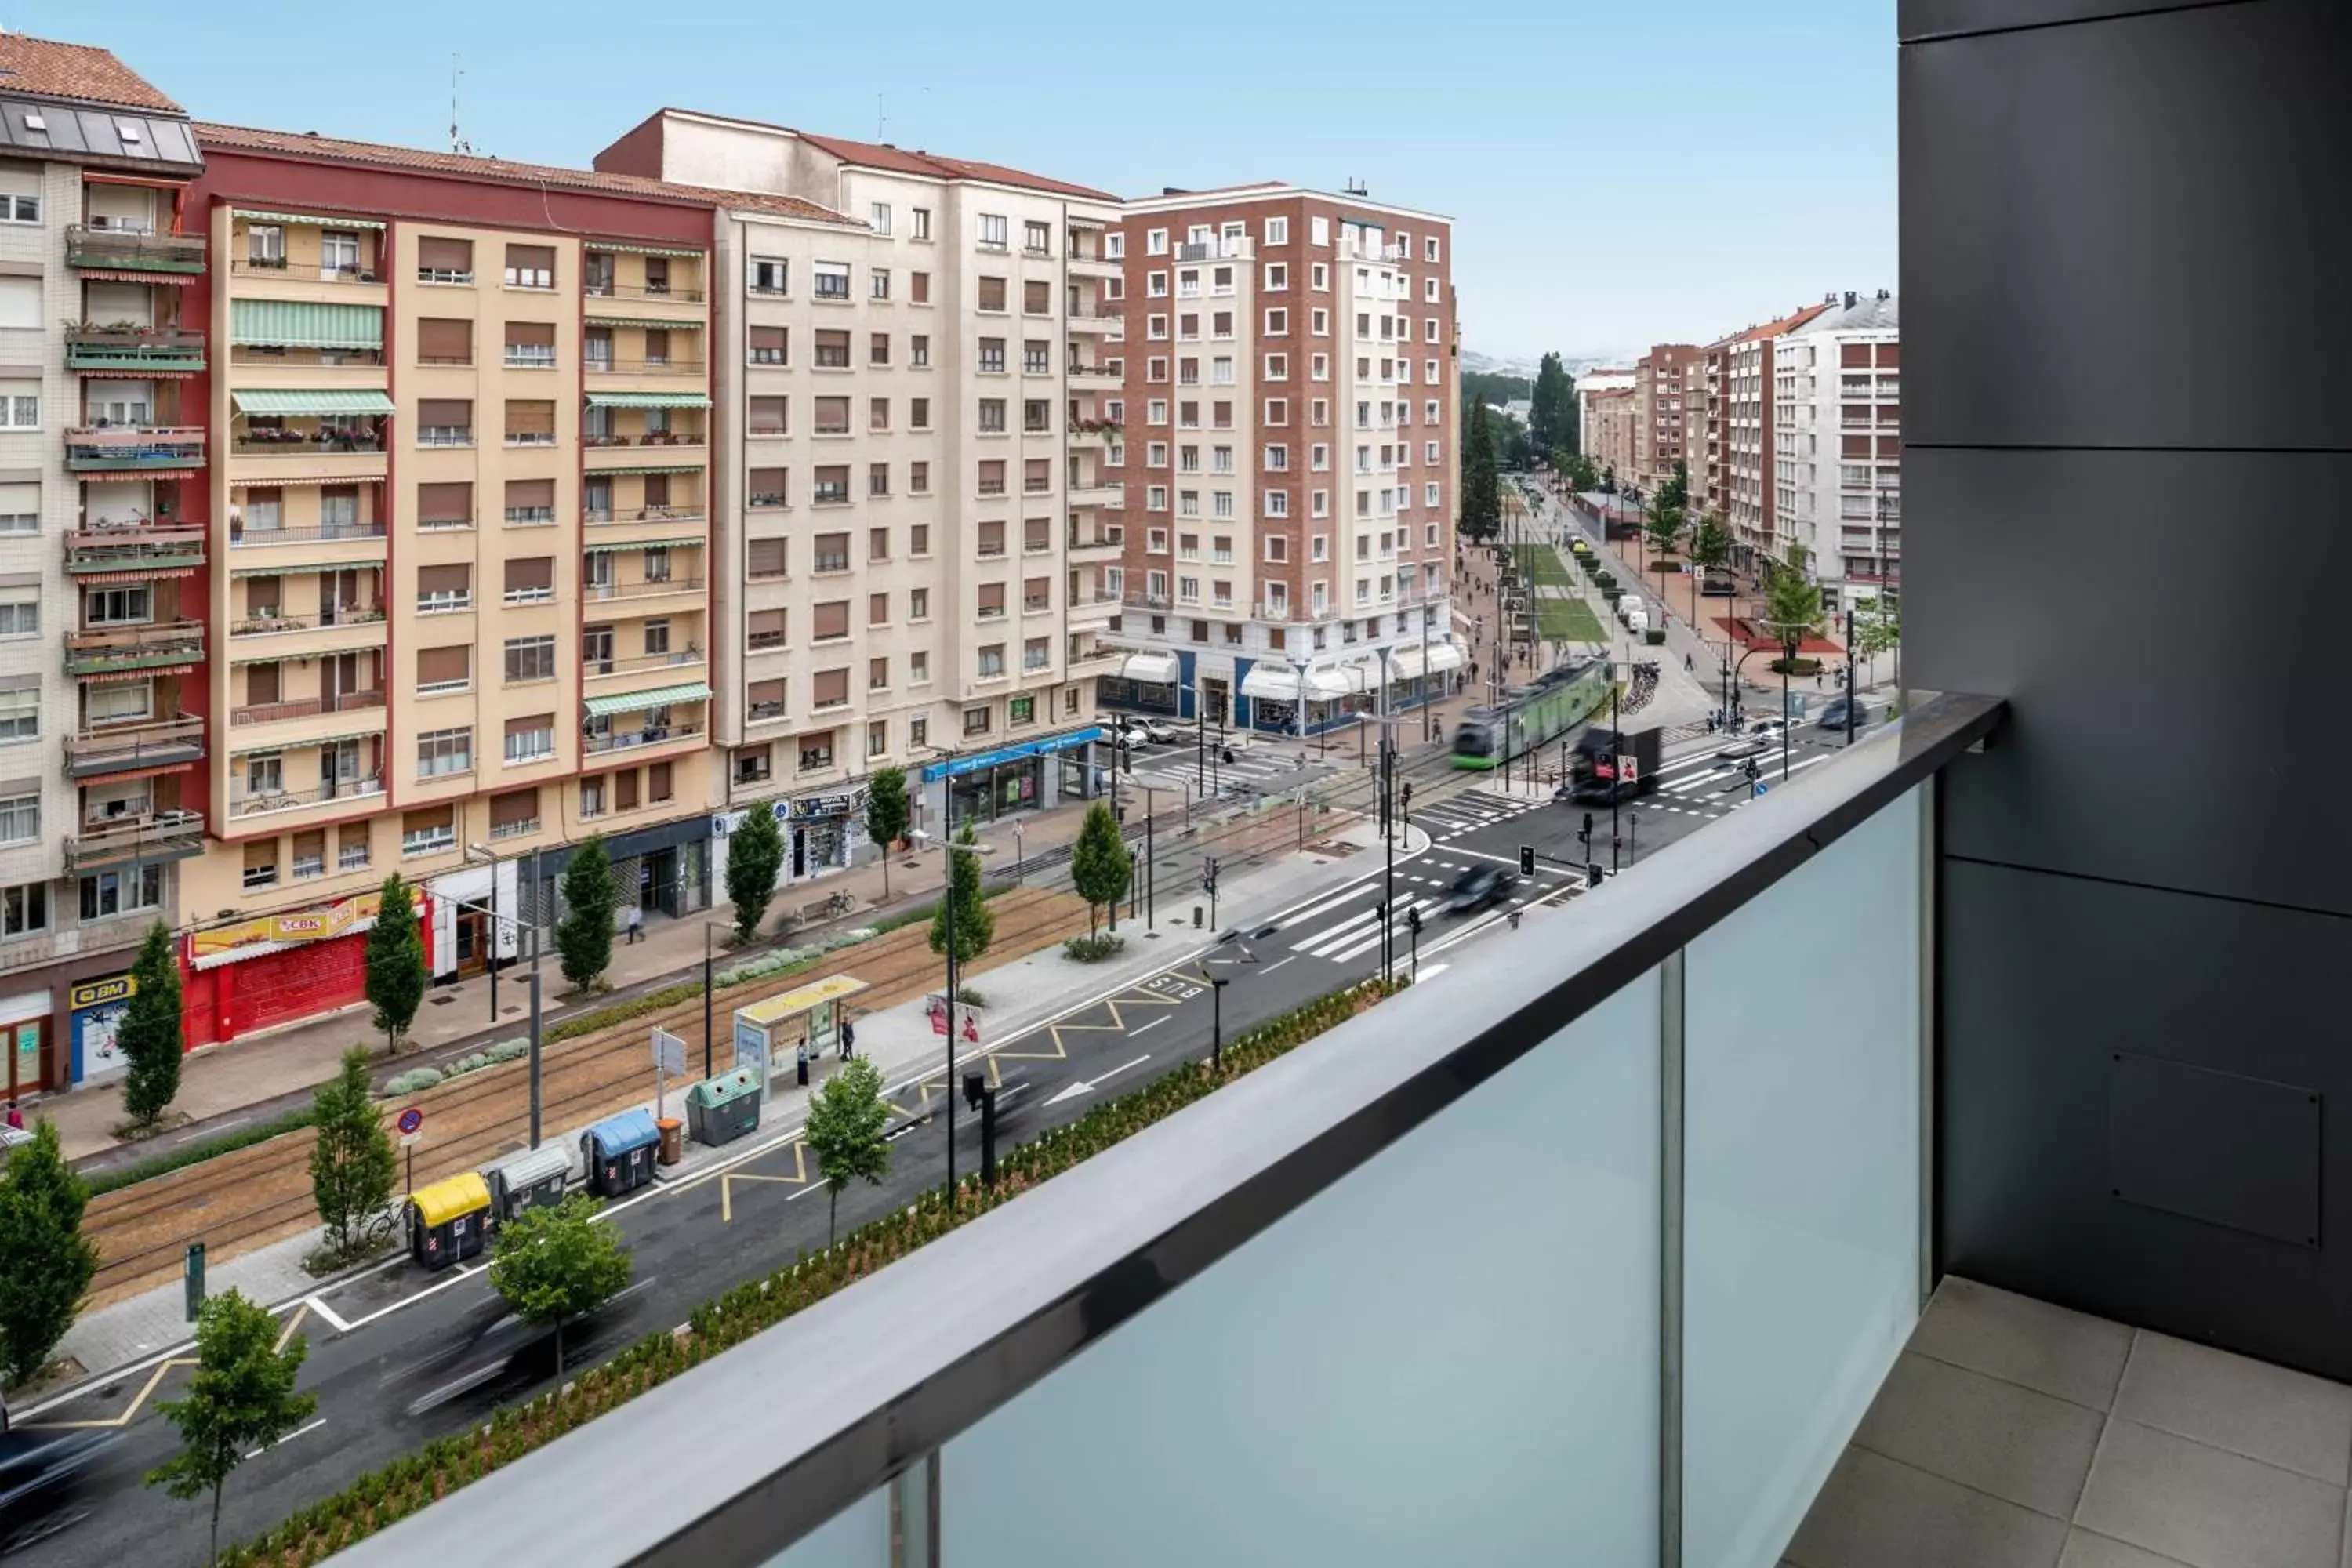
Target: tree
1710	548
396	962
46	1263
974	925
1482	495
885	812
554	1263
755	854
241	1400
1875	632
1100	864
1792	604
843	1130
150	1037
1664	528
1551	417
1609	480
584	936
353	1165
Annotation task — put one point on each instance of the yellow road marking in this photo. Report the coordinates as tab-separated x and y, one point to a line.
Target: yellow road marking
137	1399
995	1055
727	1182
293	1319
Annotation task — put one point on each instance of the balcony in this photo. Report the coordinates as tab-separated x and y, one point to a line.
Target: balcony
308	720
609	365
1086	546
141	549
154	450
1099	659
132	840
602	289
347	630
120	748
1089	325
152	645
135	351
1097	266
604	668
345	795
110	249
674	734
664	588
242	537
1696	1236
1102	493
1086	375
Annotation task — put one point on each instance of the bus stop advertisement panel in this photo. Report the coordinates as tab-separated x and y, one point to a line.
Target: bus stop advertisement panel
771	1035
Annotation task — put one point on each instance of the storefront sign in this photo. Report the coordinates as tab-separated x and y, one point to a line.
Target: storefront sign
823	806
97	1007
306	925
974	762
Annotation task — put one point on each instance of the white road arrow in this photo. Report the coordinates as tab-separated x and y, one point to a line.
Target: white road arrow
1086	1088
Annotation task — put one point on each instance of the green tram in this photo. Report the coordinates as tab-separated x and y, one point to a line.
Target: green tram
1533	715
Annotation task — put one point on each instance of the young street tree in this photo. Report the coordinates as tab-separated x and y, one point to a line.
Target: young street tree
46	1263
1792	604
845	1119
1710	548
974	925
885	813
584	936
150	1037
554	1263
353	1165
1482	495
1664	528
241	1400
396	963
1100	863
754	855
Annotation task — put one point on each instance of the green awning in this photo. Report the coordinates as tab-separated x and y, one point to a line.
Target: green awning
651	468
647	400
304	402
597	315
659	697
635	249
319	219
647	544
298	324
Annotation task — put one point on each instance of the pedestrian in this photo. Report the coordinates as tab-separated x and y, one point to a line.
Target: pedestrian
16	1116
636	918
1817	677
1686	662
849	1039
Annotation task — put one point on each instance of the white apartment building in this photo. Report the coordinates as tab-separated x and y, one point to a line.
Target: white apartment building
1598	382
1838	443
99	464
1288	389
910	488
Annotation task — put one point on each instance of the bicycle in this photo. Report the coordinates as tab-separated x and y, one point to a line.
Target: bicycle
839	904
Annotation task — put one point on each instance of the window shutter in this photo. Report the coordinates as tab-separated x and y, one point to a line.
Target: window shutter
531	574
530	418
444	412
518	808
831	685
531	257
530	335
523	495
624	790
992	598
440	340
261	686
264	596
766	693
436	254
767	416
530	726
444	666
991	538
445	503
1037	533
833	619
435	579
767	557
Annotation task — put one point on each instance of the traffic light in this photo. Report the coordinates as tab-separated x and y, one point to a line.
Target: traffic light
1751	770
1527	861
1407	795
975	1089
1413	920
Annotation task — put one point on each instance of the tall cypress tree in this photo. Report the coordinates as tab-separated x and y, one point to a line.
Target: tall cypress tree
1482	492
754	855
584	936
396	962
149	1035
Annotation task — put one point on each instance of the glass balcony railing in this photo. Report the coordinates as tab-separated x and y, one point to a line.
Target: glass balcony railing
1590	1249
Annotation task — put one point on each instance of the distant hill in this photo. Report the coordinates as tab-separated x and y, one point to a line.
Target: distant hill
1523	367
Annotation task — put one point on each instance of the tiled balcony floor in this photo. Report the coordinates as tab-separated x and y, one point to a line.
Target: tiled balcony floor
2013	1434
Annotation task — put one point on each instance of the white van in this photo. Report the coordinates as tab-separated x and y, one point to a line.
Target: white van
1634	614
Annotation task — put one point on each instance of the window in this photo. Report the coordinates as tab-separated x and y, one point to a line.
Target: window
990	666
531	739
992	231
1036	238
877	217
991	293
1036	298
25	909
918	673
992	479
765	487
1155	285
877	351
992	415
817	751
770	345
20	404
1277	503
530	267
423	831
918	539
111	893
445	588
1036	416
769	274
1155	242
990	605
530	423
20	818
1278	231
1036	654
530	658
440	669
919	288
1036	358
20	191
831	279
1278	367
20	707
1277	321
991	355
877	738
20	614
441	753
832	416
531	345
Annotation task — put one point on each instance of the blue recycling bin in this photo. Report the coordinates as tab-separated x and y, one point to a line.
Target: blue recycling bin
619	1153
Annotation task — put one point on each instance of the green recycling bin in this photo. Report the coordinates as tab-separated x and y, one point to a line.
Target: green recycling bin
721	1109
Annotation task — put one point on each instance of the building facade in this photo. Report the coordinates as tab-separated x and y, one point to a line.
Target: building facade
459	609
102	458
1602	380
1286	457
1838	443
1607	427
1670	410
919	541
1737	485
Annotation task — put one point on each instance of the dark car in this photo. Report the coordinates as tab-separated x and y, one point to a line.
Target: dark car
497	1351
1738	749
40	1481
1833	713
1479	887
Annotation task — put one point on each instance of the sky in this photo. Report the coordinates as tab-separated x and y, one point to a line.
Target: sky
1619	173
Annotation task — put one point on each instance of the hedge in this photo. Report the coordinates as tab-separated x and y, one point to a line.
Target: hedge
414	1482
1655	636
195	1153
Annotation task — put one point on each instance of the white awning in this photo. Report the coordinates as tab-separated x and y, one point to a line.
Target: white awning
1272	682
1405	660
1151	668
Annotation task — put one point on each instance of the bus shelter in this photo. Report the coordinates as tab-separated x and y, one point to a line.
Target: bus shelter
801	1025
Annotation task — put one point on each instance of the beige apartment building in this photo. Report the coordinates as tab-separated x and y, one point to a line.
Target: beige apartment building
1607	430
461	510
1669	411
1286	454
1734	482
917	453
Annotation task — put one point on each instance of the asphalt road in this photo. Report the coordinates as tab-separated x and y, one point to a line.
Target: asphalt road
392	1355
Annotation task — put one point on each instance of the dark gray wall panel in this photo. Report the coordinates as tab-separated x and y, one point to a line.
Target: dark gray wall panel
2118	234
1921	20
2174	634
2045	978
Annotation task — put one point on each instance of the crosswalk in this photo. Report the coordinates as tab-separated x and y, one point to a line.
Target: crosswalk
1177	767
1707	783
1466	813
1347	924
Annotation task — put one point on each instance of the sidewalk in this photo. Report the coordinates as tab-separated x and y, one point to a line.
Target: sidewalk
264	1075
898	1040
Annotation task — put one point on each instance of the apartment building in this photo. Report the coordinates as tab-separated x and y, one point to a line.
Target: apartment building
459	513
1734	482
1606	428
99	456
1838	443
1287	455
1670	404
916	377
1590	387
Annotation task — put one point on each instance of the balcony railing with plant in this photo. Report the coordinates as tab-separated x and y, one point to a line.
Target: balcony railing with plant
652	588
157	836
133	250
306	707
596	744
132	345
133	448
100	748
143	645
134	546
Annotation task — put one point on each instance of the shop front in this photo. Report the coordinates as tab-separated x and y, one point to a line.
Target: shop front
25	1034
822	833
663	870
983	787
1422	673
477	917
95	1010
281	969
1273	692
1147	683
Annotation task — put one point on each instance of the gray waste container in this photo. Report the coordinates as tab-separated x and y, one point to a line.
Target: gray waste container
721	1109
526	1179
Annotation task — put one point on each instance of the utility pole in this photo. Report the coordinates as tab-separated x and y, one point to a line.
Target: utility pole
1616	771
1848	676
708	1070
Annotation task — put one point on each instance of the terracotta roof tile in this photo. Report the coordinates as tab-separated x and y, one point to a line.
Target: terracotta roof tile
304	145
879	155
45	69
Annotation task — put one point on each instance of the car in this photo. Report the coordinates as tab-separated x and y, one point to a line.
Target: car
1754	747
41	1476
1158	732
1833	713
1477	888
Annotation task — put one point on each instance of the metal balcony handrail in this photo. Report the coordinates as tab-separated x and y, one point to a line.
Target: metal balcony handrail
600	288
691	654
256	803
306	707
658	735
129	831
654	588
138	638
244	535
107	245
616	517
609	365
310	272
302	443
175	734
342	615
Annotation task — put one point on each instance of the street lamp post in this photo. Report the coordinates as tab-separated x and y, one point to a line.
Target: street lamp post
471	850
1217	1026
948	903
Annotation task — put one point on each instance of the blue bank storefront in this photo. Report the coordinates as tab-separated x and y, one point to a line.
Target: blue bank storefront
981	787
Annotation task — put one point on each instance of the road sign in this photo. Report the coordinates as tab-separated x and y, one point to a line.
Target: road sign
411	1124
1761	786
669	1053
